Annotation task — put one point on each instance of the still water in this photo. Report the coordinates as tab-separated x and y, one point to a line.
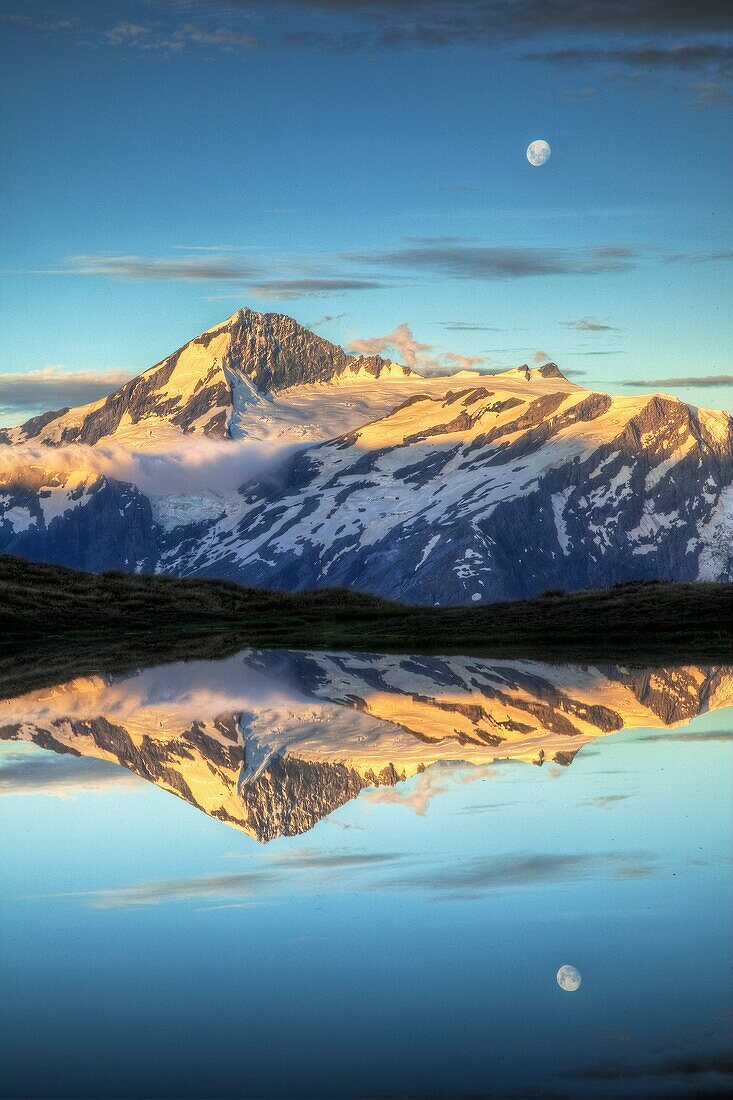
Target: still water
293	874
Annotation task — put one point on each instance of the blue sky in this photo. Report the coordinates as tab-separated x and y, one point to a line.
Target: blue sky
360	164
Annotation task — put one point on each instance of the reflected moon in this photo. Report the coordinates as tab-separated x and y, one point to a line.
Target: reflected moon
568	978
538	153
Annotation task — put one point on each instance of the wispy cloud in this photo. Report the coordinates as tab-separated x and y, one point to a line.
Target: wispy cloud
266	880
203	264
327	319
682	1066
467	326
54	387
377	872
177	39
689	380
604	800
205	268
709	93
213	247
474	877
580	94
690	737
160	35
124	33
718	256
343	26
466	260
24	21
430	23
335	860
287	289
684	56
282	276
242	884
588	324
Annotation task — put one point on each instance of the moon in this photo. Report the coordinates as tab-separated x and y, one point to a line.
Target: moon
538	153
568	978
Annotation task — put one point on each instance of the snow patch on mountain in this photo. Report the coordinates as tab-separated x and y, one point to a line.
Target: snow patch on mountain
263	453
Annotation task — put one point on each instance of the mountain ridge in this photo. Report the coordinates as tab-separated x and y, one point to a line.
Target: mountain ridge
499	495
438	489
198	387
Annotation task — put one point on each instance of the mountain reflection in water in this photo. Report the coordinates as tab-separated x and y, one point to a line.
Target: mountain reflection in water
272	741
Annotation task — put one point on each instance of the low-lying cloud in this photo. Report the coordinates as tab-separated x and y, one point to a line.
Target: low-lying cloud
197	465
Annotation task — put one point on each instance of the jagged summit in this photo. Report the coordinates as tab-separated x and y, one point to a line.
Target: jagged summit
551	370
275	352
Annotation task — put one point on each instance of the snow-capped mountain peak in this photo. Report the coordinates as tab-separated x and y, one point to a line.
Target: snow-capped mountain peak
250	359
322	469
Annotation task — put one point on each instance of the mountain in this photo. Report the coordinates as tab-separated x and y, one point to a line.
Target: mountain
451	489
272	741
493	491
216	385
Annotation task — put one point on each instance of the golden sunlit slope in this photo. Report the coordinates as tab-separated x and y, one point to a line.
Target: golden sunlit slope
272	741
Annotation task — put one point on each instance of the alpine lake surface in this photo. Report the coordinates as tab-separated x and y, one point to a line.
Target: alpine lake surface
308	874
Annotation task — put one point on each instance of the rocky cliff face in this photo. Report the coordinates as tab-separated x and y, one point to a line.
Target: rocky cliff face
271	742
91	523
276	353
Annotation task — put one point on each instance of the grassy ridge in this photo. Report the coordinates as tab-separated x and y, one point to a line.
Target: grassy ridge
59	621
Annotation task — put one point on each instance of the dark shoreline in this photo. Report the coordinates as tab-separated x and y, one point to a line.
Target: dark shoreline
57	623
